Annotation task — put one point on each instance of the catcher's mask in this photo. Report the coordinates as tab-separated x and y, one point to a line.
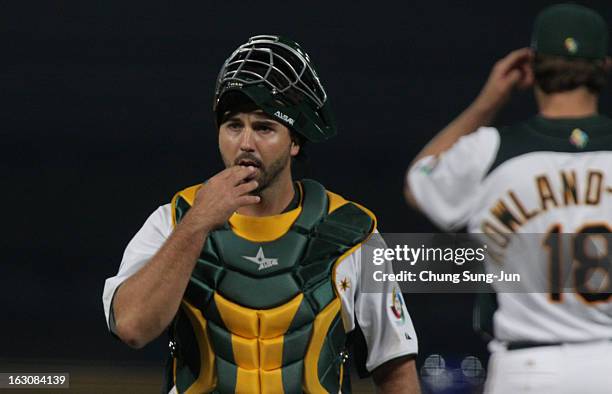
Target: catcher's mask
278	76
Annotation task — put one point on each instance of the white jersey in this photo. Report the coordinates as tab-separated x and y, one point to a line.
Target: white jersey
387	333
540	177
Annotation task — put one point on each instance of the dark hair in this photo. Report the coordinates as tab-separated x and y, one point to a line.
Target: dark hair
232	103
554	74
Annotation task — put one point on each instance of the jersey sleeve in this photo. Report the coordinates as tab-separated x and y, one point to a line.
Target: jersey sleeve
381	318
446	187
138	252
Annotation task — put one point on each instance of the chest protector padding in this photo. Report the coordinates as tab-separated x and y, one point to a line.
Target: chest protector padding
263	317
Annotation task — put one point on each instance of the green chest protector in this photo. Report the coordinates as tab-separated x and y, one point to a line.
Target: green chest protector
260	313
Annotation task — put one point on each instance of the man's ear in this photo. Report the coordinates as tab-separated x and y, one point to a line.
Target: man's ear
295	149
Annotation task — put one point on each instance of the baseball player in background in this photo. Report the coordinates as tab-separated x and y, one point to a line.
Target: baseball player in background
255	276
548	175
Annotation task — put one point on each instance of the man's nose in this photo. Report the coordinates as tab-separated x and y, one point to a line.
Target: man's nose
247	140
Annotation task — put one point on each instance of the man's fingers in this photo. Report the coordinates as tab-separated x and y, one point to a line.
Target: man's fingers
518	56
248	200
246	187
528	78
240	173
225	174
513	60
514	76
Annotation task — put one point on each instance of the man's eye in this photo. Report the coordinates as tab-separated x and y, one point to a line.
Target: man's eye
234	126
264	129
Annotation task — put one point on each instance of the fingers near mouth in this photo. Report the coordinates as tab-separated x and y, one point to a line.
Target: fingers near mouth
250	162
251	176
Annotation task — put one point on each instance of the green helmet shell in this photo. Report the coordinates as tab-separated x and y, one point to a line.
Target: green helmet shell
278	76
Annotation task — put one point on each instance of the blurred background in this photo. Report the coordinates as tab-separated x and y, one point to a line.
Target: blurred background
106	113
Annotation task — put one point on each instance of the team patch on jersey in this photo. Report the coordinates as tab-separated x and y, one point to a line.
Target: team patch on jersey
345	284
579	138
397	306
571	45
429	166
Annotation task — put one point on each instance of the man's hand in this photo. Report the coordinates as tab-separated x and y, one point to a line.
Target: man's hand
221	196
147	301
510	72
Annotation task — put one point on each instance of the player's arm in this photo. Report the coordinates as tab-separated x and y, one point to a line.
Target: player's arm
383	338
145	304
512	71
397	376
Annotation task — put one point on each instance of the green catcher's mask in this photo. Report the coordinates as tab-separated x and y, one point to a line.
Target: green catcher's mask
278	76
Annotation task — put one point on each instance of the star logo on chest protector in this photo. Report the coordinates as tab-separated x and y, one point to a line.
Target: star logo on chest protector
261	260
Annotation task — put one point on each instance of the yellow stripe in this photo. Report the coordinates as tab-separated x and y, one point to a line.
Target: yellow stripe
272	382
335	201
190	192
174	370
275	322
238	319
264	228
271	353
319	332
173	209
246	352
188	195
247	381
207	379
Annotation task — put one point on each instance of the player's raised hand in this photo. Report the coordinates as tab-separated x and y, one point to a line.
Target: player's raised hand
220	197
512	71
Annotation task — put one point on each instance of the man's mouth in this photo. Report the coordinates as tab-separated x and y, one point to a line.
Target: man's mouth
246	162
249	162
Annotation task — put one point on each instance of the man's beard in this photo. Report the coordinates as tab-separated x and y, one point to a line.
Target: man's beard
268	175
